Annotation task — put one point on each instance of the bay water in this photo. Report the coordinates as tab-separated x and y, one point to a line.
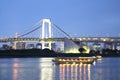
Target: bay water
45	69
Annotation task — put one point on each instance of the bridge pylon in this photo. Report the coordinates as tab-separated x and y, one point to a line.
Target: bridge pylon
46	33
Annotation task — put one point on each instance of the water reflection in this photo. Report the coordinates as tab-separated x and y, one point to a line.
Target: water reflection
75	71
25	69
45	69
15	69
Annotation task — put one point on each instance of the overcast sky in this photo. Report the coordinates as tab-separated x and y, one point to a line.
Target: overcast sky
76	17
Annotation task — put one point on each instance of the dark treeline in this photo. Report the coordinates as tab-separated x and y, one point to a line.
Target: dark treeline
110	52
107	53
37	53
50	53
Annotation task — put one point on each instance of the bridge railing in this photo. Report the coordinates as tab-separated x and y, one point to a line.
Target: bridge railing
83	39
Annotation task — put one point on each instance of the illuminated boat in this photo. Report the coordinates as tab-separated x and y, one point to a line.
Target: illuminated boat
98	57
75	60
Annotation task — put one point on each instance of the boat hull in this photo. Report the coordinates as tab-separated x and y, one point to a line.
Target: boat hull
77	60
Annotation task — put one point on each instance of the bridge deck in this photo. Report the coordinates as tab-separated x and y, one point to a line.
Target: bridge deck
80	39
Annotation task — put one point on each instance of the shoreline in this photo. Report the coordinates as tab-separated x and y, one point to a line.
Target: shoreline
37	53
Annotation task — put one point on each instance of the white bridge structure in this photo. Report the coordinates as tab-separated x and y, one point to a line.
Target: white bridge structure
68	44
48	33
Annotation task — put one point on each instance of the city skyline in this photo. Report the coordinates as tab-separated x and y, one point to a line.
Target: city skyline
77	18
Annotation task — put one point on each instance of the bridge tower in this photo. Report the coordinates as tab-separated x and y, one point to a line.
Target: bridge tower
46	33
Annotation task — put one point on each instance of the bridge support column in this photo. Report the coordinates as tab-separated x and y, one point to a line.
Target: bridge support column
43	43
113	46
14	45
46	45
46	33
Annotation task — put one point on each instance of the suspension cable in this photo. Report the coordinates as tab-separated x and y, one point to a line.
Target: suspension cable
30	31
41	26
62	30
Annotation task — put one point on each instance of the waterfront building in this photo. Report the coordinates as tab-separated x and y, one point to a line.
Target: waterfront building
20	45
30	46
39	46
5	46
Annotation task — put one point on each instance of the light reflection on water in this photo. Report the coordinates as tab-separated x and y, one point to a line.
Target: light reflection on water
45	69
74	72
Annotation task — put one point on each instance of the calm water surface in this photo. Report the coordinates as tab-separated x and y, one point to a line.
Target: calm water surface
45	69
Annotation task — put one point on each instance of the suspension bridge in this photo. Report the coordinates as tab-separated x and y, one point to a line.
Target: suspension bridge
48	37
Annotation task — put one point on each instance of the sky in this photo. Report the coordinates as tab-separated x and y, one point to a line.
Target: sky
78	18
